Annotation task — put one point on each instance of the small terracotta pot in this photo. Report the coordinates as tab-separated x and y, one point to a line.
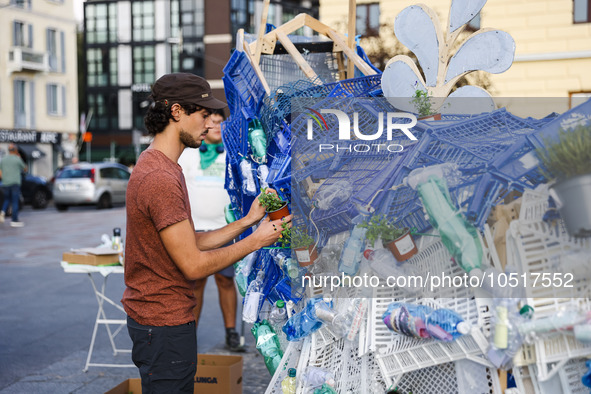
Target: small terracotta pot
403	247
306	256
430	117
279	213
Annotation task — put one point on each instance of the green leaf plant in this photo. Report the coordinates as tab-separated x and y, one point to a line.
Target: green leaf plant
568	157
270	201
380	227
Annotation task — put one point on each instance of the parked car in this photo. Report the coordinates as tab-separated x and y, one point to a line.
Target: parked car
102	184
35	190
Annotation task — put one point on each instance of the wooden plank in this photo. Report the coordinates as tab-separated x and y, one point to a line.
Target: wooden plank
299	59
351	55
262	29
256	67
352	19
288	27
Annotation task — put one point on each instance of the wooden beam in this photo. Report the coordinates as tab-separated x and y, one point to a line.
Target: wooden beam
256	67
288	27
262	29
351	55
351	36
297	56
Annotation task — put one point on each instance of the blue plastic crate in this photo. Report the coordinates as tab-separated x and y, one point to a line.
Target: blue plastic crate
245	83
235	137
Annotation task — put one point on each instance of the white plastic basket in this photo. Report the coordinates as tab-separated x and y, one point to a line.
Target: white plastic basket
536	247
290	359
566	381
397	354
461	377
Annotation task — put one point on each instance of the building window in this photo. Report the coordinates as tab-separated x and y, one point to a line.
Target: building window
101	23
23	104
21	3
143	21
144	64
368	19
105	109
52	48
582	11
192	18
22	34
97	63
56	100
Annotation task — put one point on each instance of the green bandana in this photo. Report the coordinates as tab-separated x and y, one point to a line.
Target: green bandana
209	156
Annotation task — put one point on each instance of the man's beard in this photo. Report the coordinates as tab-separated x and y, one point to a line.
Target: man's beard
189	141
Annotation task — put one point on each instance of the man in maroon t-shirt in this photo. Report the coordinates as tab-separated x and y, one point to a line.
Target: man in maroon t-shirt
163	254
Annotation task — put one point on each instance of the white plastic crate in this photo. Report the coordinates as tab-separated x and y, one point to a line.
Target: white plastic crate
461	377
566	381
290	359
536	247
397	354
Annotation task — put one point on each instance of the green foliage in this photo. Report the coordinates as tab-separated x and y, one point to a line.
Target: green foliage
285	240
300	238
570	155
422	102
380	227
270	201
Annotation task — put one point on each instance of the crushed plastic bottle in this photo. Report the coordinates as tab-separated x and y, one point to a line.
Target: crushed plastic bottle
315	377
506	339
277	319
268	345
325	389
446	325
249	186
309	319
407	319
253	299
263	174
257	140
563	320
288	265
354	246
243	269
288	385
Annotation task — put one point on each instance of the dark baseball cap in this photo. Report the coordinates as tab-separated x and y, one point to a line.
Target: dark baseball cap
185	88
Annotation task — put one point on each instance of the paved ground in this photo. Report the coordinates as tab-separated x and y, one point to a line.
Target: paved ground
47	316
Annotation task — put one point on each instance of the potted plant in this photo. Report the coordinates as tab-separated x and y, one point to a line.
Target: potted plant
303	245
568	159
276	208
398	240
423	104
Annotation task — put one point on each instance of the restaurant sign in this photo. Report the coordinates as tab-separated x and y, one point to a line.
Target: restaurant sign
30	136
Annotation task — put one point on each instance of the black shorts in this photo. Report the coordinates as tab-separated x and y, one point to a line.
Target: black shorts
166	356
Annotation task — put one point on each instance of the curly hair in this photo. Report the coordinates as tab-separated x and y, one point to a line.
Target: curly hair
158	115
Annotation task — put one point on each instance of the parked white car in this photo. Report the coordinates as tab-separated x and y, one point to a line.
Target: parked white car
102	184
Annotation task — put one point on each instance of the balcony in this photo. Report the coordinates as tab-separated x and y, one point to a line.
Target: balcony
26	59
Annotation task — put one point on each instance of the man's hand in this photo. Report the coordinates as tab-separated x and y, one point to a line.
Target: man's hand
257	211
268	232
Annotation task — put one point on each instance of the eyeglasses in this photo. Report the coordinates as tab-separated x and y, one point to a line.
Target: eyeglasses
218	149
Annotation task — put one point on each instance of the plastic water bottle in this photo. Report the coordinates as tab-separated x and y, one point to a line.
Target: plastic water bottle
257	140
253	299
383	263
353	250
407	319
288	265
446	325
263	173
277	319
506	339
288	385
308	320
268	345
116	243
316	377
249	186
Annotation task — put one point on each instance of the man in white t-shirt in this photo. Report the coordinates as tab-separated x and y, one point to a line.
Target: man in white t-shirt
204	171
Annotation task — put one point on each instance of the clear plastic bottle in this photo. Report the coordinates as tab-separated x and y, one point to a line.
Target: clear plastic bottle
263	173
116	240
308	320
315	377
257	140
407	319
506	339
253	299
446	325
249	186
277	319
354	246
288	265
288	385
268	345
383	263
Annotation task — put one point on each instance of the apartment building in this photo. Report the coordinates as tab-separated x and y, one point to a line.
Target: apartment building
38	81
130	44
553	39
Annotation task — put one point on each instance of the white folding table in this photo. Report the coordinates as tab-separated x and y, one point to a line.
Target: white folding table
101	317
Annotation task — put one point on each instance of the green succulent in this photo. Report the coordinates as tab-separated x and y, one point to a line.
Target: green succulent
570	155
380	227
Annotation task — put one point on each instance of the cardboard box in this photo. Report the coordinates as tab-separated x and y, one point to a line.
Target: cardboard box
91	256
216	374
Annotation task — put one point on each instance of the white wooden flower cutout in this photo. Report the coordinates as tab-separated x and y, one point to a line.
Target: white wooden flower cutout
418	28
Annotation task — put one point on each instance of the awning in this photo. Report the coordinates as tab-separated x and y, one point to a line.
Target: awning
30	151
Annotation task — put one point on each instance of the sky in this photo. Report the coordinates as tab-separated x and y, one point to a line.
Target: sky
79	9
